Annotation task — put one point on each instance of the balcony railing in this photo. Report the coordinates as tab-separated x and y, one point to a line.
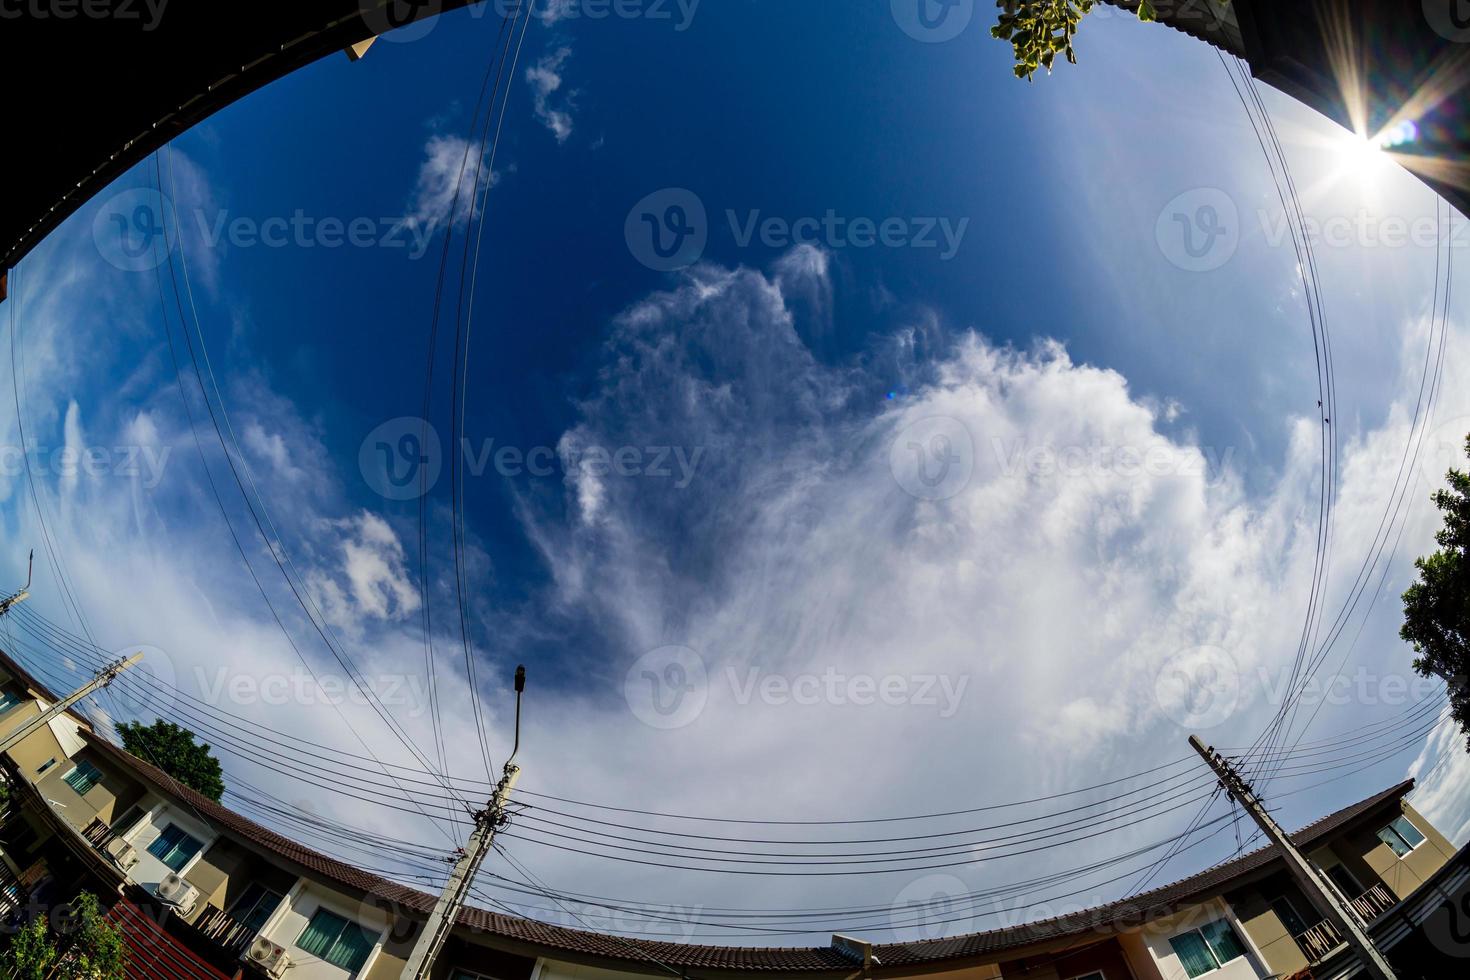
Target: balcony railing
99	834
224	930
1321	939
1318	940
1374	902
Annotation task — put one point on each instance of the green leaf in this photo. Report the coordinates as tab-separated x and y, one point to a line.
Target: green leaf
1146	11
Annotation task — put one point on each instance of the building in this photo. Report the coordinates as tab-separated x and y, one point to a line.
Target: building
203	893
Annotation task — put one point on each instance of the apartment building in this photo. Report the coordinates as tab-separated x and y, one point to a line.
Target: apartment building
204	893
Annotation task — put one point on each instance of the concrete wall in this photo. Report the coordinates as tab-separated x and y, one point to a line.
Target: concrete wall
149	871
1404	874
1264	929
289	921
109	799
1156	936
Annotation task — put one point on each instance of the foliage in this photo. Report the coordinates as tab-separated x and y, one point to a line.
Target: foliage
31	952
174	750
97	950
94	948
1039	30
1437	606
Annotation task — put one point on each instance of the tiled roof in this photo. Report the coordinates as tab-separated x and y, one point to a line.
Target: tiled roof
796	959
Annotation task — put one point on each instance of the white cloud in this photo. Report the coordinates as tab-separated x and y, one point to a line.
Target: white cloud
445	183
545	79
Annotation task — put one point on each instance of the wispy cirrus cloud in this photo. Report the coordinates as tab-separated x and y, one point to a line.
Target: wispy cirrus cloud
545	79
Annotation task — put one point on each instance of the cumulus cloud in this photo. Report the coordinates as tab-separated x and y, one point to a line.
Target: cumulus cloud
545	79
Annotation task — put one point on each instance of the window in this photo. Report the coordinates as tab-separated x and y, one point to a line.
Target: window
1344	881
339	942
1094	975
1286	912
83	776
1401	835
1207	948
44	766
255	906
174	847
128	821
8	700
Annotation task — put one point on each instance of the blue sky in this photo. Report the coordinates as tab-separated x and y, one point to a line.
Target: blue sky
770	521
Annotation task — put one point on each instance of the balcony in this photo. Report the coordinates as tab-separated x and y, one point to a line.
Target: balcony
1374	902
1320	940
224	931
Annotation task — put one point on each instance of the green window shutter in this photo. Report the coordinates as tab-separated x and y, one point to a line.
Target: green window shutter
83	776
352	949
1193	954
321	932
1408	832
174	847
1223	941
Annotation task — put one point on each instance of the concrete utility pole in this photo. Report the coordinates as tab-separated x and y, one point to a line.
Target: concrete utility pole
487	821
101	679
1318	890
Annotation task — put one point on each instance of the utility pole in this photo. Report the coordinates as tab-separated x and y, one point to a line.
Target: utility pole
24	593
1318	890
101	679
487	821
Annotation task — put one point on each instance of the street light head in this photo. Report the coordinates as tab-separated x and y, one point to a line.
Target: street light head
520	678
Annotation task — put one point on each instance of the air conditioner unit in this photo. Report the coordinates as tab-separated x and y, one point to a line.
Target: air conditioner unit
122	853
177	892
268	956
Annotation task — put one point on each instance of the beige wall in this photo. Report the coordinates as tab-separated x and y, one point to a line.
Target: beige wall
1404	874
1263	927
32	753
109	799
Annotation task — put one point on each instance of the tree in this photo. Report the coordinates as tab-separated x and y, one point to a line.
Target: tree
1437	606
174	750
1039	30
93	947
